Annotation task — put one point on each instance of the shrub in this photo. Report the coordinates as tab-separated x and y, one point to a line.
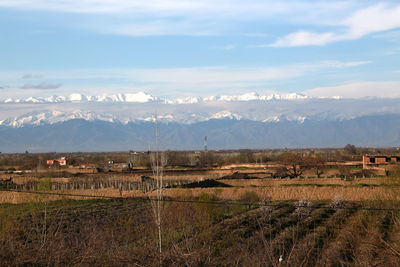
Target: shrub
338	202
303	207
250	197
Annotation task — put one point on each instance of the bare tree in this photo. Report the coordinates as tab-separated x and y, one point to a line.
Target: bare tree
316	164
158	162
295	162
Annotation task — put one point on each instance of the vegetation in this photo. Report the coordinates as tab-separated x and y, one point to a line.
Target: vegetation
295	233
193	158
219	208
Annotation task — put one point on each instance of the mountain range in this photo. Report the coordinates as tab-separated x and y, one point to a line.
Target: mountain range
142	97
246	121
97	135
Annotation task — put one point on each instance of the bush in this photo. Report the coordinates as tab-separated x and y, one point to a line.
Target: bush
281	172
338	202
303	207
250	197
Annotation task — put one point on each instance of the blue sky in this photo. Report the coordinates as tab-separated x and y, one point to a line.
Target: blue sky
180	48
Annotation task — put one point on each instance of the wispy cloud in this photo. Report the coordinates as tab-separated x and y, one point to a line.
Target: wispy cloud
358	90
172	81
377	18
31	76
41	86
182	17
204	8
204	75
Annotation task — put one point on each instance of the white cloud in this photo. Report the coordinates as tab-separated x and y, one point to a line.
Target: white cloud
358	90
29	76
175	80
304	38
377	18
203	8
182	17
204	75
41	86
341	64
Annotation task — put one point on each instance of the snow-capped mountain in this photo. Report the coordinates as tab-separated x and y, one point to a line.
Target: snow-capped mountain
142	97
122	109
139	97
54	116
99	135
225	114
109	123
42	117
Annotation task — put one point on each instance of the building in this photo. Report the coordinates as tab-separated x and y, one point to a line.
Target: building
377	160
58	162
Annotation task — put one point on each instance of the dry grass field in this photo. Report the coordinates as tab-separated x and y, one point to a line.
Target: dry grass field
237	215
324	189
124	233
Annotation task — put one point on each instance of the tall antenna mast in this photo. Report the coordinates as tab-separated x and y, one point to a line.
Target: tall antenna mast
205	144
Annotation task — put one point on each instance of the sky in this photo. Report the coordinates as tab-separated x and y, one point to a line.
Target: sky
175	48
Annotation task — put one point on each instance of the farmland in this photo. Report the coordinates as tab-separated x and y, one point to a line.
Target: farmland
233	214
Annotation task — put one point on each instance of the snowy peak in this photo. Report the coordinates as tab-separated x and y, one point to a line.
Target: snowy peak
54	116
141	97
297	118
226	115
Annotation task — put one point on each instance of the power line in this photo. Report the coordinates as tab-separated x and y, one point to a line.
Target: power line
225	203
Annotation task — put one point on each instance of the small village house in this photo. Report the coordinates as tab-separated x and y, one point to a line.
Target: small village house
57	162
377	160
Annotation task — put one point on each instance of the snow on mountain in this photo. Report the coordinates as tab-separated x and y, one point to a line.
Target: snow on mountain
54	116
142	97
225	114
186	100
139	97
161	118
32	99
55	99
254	96
299	119
196	110
244	97
272	119
77	97
292	96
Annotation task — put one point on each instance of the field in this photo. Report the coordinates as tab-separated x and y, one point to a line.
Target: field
123	232
230	215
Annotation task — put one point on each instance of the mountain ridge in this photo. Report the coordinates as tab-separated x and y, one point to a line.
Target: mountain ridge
142	97
97	135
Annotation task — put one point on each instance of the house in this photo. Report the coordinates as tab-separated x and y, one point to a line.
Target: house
57	162
376	160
